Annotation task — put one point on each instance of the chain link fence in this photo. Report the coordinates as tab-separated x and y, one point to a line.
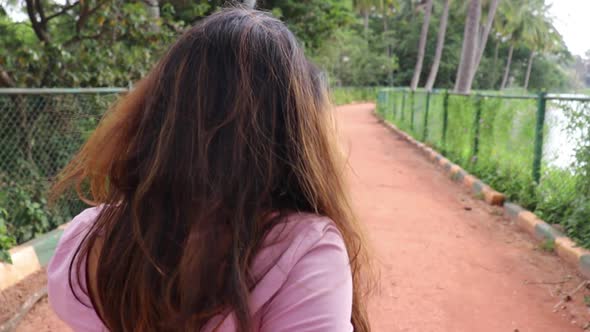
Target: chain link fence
530	147
40	130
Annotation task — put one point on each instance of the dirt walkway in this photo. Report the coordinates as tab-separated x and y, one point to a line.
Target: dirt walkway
447	262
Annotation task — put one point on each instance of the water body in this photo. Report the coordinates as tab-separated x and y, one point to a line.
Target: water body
560	142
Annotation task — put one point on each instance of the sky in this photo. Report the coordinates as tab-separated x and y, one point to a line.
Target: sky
572	20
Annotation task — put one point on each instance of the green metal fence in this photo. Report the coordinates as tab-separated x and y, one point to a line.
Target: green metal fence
40	130
523	145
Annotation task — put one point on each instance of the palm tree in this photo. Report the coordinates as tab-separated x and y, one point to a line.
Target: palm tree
152	8
540	36
440	44
483	40
494	73
468	51
364	8
388	7
510	27
422	44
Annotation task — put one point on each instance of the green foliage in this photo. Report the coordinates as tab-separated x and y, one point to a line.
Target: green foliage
577	222
350	61
347	95
312	21
6	240
505	148
38	136
121	52
547	245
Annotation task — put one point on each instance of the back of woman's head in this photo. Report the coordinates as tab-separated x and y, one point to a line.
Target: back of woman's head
230	127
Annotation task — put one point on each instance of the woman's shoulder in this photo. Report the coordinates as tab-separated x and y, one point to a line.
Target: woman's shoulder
66	289
309	281
76	230
299	233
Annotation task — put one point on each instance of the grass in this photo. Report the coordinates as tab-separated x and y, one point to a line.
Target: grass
498	147
348	95
547	245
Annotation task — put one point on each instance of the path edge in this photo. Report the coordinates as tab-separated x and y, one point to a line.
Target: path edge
526	220
29	258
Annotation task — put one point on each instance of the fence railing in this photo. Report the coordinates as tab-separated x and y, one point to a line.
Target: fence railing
40	130
523	145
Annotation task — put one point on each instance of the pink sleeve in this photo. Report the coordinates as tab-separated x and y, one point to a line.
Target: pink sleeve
317	295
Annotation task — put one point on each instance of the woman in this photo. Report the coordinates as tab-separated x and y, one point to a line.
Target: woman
219	196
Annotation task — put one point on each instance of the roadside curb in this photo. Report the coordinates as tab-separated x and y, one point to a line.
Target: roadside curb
29	258
563	246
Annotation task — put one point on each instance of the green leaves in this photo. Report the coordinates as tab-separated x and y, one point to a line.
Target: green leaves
6	240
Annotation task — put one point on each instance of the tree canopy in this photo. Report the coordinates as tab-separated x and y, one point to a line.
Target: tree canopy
82	43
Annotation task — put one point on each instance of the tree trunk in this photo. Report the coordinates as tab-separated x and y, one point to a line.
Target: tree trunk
5	79
388	50
528	70
468	51
507	70
495	66
481	45
385	35
440	44
153	13
422	45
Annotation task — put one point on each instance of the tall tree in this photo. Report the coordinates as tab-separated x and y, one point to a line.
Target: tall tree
388	7
540	36
153	12
469	49
515	26
483	37
422	44
364	8
494	71
440	44
507	67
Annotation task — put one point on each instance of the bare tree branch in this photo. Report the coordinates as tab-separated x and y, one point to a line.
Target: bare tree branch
39	27
85	13
79	38
62	11
5	79
41	12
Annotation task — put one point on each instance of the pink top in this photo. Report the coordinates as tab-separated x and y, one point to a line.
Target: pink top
308	287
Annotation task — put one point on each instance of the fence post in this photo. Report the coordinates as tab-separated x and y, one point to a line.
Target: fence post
401	120
541	109
476	126
445	122
385	104
393	106
412	110
425	132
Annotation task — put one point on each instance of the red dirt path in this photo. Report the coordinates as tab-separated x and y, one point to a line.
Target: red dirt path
447	262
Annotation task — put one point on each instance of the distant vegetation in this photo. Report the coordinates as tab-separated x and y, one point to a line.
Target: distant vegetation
358	42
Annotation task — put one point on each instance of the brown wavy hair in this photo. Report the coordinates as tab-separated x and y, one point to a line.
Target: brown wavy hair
233	125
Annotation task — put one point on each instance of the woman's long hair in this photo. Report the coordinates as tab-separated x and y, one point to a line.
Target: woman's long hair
232	126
